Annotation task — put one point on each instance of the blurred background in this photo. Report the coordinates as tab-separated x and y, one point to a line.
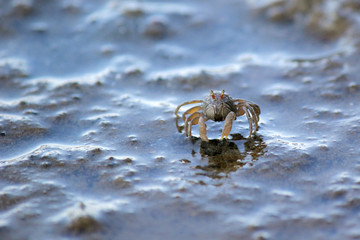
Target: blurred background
89	143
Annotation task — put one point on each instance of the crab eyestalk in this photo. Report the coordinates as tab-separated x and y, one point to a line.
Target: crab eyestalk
222	94
212	94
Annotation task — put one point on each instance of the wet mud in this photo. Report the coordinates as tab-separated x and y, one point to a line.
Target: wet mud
90	147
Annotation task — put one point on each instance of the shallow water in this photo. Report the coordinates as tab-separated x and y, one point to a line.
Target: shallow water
88	137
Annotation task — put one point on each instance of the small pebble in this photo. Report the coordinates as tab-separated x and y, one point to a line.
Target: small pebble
156	27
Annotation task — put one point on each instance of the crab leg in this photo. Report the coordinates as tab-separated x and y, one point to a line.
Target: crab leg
193	122
190	111
243	102
256	111
239	100
186	103
240	106
228	125
254	116
189	119
249	120
240	110
202	128
255	107
251	110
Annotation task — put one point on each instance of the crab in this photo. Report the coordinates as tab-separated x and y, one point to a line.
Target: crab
219	106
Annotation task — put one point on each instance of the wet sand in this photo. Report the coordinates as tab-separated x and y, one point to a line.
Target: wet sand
89	147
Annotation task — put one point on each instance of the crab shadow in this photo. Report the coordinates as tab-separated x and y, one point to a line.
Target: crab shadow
225	156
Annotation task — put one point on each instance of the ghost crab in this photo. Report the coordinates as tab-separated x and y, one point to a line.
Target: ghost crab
219	106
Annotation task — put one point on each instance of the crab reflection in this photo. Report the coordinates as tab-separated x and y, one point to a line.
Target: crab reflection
225	157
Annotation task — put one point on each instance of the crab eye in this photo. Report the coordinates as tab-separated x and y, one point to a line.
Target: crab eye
222	94
212	94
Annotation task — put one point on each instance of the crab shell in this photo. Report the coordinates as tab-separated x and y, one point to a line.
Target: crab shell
218	108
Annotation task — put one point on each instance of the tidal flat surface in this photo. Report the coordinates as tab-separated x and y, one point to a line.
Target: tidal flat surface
89	147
